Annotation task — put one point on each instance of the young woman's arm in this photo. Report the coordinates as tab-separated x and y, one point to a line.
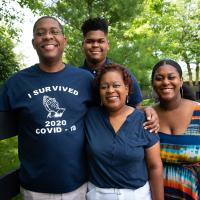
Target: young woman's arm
154	164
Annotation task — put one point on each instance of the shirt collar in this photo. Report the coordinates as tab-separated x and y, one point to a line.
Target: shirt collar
85	66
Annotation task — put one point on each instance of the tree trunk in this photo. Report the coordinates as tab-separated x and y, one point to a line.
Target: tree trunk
197	74
189	73
187	61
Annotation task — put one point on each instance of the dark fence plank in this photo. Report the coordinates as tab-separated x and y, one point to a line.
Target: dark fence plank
9	182
8	127
9	185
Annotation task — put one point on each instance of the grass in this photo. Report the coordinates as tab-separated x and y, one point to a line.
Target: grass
9	157
18	197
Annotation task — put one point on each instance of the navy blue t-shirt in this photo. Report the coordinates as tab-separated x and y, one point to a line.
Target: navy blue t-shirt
116	160
135	98
50	108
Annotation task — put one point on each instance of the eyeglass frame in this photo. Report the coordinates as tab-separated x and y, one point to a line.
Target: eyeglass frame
52	31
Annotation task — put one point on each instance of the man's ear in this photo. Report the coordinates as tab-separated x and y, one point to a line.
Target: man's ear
33	43
82	48
82	43
65	41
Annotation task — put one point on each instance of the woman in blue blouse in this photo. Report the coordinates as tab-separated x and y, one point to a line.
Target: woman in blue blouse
124	158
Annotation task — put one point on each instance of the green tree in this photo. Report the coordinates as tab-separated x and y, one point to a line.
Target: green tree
141	31
167	29
8	60
9	13
74	12
181	28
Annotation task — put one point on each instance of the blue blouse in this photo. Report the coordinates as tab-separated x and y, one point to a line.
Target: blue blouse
117	160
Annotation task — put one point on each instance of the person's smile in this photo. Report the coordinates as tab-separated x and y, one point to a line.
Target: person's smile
112	98
167	89
49	46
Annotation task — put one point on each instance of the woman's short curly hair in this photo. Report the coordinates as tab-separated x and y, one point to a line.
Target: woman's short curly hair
108	68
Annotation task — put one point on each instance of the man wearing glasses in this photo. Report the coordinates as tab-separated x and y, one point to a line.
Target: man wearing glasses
50	100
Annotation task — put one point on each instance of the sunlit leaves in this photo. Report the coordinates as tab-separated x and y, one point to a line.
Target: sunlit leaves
8	60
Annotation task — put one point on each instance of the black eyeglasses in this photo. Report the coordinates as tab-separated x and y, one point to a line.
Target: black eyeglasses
43	32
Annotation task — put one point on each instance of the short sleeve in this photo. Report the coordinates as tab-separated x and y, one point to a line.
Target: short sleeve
136	96
152	138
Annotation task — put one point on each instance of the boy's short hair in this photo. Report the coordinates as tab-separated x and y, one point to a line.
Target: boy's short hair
94	24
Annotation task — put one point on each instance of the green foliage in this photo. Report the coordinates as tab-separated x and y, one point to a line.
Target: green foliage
9	13
141	31
166	30
147	102
74	12
8	60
